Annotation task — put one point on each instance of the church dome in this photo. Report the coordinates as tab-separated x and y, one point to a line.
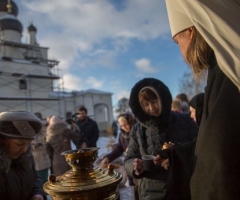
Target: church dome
9	22
32	28
3	7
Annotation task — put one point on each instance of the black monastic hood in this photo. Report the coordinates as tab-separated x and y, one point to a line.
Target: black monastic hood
162	121
197	103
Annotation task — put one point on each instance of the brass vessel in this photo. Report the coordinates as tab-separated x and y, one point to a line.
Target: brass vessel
84	181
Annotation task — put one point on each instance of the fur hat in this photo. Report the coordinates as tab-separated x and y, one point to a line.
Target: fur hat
19	124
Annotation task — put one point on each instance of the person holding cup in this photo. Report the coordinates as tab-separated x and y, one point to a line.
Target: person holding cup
150	101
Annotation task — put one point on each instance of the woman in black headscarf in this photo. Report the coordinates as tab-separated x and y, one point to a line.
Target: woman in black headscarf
196	107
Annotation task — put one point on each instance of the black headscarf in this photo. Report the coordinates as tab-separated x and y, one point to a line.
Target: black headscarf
197	103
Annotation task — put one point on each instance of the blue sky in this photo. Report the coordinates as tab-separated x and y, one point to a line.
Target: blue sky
107	45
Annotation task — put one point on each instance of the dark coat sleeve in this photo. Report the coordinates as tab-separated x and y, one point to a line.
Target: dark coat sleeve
117	151
50	150
38	185
77	140
94	135
193	129
181	168
183	129
132	153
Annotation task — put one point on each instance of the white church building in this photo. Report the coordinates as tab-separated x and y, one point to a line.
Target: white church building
29	80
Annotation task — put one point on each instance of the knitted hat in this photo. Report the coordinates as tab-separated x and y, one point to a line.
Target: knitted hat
19	124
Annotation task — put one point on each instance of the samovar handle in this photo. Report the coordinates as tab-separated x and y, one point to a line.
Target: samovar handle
52	178
111	167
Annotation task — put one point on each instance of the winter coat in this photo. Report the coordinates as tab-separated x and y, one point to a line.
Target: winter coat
149	135
58	138
39	152
18	178
89	131
120	148
217	154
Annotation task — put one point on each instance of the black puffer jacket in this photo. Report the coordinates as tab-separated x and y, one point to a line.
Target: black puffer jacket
18	178
148	136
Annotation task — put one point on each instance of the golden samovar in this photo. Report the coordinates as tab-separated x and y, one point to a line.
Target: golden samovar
84	181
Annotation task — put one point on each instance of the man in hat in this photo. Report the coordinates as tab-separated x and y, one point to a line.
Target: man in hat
18	177
208	35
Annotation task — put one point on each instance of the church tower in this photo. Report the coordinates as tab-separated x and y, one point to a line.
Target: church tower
27	78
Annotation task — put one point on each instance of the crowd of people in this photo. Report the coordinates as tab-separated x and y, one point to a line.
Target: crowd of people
30	150
56	137
143	131
201	161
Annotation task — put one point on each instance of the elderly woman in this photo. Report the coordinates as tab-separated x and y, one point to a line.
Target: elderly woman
18	177
126	121
58	137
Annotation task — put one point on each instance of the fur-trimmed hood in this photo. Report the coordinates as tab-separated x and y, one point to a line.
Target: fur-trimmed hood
160	122
6	162
55	129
